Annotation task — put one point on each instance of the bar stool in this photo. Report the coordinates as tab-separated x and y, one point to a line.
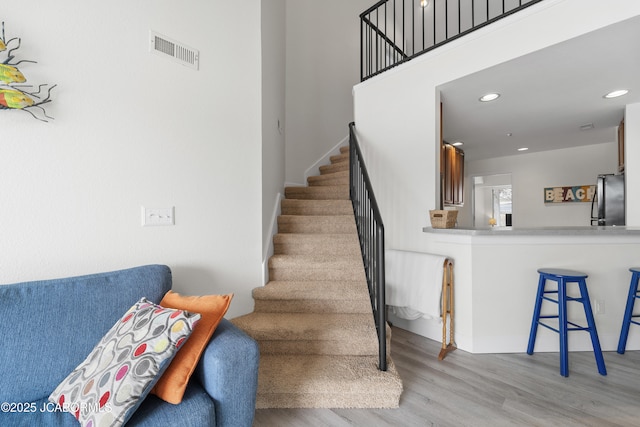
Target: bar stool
563	277
627	320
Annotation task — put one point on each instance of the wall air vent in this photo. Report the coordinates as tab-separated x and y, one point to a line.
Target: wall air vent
169	48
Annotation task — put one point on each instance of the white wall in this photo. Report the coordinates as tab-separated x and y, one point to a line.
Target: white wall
632	163
273	118
322	55
134	129
531	173
396	113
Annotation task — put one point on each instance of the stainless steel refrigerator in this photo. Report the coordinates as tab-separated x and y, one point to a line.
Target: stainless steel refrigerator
609	201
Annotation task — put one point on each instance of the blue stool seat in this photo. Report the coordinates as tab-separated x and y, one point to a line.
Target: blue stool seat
563	277
627	320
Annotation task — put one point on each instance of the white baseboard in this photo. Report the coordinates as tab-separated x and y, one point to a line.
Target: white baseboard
432	329
326	159
267	251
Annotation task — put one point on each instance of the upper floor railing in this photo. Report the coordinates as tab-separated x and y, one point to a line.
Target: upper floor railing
395	31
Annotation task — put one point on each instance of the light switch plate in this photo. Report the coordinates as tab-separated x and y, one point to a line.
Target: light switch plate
152	217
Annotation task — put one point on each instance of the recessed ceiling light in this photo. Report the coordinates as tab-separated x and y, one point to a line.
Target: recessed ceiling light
458	143
489	97
523	149
587	126
616	93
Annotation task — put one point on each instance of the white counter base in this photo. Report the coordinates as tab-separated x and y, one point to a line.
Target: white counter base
496	280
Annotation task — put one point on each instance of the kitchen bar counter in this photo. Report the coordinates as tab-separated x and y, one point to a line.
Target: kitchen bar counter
538	231
496	279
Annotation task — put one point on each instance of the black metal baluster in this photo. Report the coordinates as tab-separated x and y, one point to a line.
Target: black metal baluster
377	48
473	13
434	22
361	50
446	19
459	19
384	56
423	39
368	47
371	57
395	57
413	26
404	37
382	312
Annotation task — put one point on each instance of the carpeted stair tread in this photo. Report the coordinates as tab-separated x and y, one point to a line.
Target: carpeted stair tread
311	333
316	207
315	267
334	167
336	178
339	158
321	192
312	297
328	260
314	274
343	288
307	243
317	224
316	381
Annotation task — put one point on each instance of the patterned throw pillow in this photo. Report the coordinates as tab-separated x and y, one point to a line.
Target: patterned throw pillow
107	388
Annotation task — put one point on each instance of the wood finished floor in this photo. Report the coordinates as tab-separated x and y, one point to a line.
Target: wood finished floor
491	390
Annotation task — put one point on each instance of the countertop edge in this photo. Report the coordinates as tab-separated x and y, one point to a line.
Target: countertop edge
541	231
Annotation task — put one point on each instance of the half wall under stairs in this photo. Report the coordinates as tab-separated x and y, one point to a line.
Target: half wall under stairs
313	320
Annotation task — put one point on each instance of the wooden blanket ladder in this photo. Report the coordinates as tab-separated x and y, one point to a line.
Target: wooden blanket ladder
447	310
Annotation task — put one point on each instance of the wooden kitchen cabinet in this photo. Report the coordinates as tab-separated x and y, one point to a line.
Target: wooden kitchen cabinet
453	175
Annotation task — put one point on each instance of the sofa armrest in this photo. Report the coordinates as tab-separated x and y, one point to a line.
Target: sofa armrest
228	370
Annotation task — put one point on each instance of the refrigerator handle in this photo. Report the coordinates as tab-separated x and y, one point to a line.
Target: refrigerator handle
597	203
600	197
594	201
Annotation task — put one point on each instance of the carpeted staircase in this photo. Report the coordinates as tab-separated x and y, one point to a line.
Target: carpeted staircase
313	320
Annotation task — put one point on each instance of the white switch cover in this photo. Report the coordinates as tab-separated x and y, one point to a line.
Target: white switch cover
152	217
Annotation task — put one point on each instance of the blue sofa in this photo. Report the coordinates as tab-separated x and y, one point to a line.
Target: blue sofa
48	327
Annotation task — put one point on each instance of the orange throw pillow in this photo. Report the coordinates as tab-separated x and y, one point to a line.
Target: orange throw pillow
171	386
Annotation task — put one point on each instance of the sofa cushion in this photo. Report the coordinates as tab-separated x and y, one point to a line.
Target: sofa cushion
45	318
110	384
170	387
196	410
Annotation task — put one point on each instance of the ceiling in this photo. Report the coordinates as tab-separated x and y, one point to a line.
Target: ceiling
546	96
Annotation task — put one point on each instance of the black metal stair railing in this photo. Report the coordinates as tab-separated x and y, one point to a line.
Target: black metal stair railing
371	235
395	31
